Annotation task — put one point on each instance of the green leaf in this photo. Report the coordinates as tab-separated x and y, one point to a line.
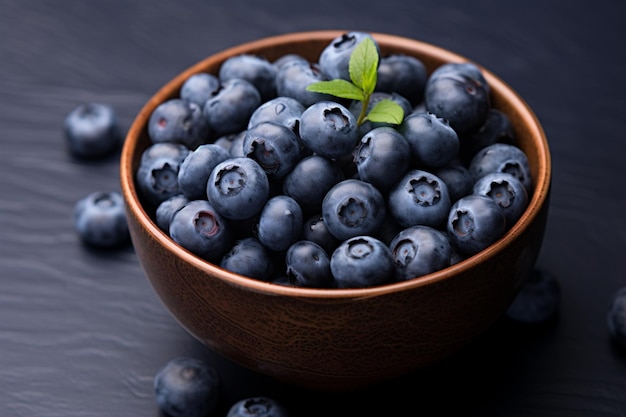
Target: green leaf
337	88
386	111
363	65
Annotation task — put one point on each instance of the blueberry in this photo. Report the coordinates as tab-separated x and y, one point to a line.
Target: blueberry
502	157
466	69
496	129
257	407
420	197
230	108
92	131
180	121
329	129
166	210
616	317
275	147
254	69
310	180
404	75
287	58
380	149
280	223
295	76
335	57
538	299
196	168
248	257
238	188
419	250
100	219
200	229
187	387
474	223
315	230
353	207
200	87
308	265
433	142
236	148
361	261
507	191
458	179
459	97
281	110
157	175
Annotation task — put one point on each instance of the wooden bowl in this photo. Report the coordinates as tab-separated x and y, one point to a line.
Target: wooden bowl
340	339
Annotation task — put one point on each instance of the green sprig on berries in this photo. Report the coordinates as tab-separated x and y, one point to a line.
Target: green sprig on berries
363	68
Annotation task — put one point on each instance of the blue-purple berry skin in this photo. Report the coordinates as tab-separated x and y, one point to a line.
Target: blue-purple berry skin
254	69
458	179
92	131
315	230
166	210
280	223
474	223
329	129
420	197
432	141
507	191
180	121
616	317
502	157
309	181
295	76
100	219
196	168
274	146
496	129
229	110
200	229
419	250
281	110
248	257
238	188
308	265
361	261
402	74
200	87
538	299
259	406
353	207
335	57
187	387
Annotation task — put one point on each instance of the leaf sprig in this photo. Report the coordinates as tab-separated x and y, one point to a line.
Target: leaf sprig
363	66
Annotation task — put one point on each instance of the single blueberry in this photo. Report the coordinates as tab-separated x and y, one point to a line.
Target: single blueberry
315	230
275	147
308	265
100	219
180	121
458	179
496	129
196	168
335	57
402	74
432	141
187	387
378	151
329	129
353	207
248	257
285	59
507	191
361	261
157	174
295	76
230	108
200	229
419	250
92	131
200	87
281	110
238	188
502	157
280	223
474	223
166	210
254	69
257	407
420	197
537	300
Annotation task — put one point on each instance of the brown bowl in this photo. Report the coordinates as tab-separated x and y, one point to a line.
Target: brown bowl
340	339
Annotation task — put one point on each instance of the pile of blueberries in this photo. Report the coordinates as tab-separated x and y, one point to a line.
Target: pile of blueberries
253	172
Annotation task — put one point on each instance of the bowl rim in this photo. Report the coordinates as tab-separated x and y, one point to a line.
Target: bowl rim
541	184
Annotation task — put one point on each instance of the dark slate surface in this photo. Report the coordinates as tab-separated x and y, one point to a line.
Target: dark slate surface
82	332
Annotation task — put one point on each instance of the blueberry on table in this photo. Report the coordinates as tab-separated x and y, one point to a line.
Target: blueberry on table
229	110
474	223
353	207
100	219
361	261
432	141
92	131
248	257
502	157
507	191
196	168
238	188
187	387
329	129
335	57
200	87
616	317
538	300
257	407
157	174
308	265
200	229
254	69
180	121
419	197
280	223
419	250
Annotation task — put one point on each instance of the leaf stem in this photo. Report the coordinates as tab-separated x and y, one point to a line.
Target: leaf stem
364	105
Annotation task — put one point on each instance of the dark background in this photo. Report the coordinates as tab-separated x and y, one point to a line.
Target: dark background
82	332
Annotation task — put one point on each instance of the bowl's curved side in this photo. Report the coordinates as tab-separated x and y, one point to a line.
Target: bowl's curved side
339	339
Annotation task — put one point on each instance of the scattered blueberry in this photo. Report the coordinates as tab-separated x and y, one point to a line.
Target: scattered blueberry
187	387
257	407
538	300
100	219
92	131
